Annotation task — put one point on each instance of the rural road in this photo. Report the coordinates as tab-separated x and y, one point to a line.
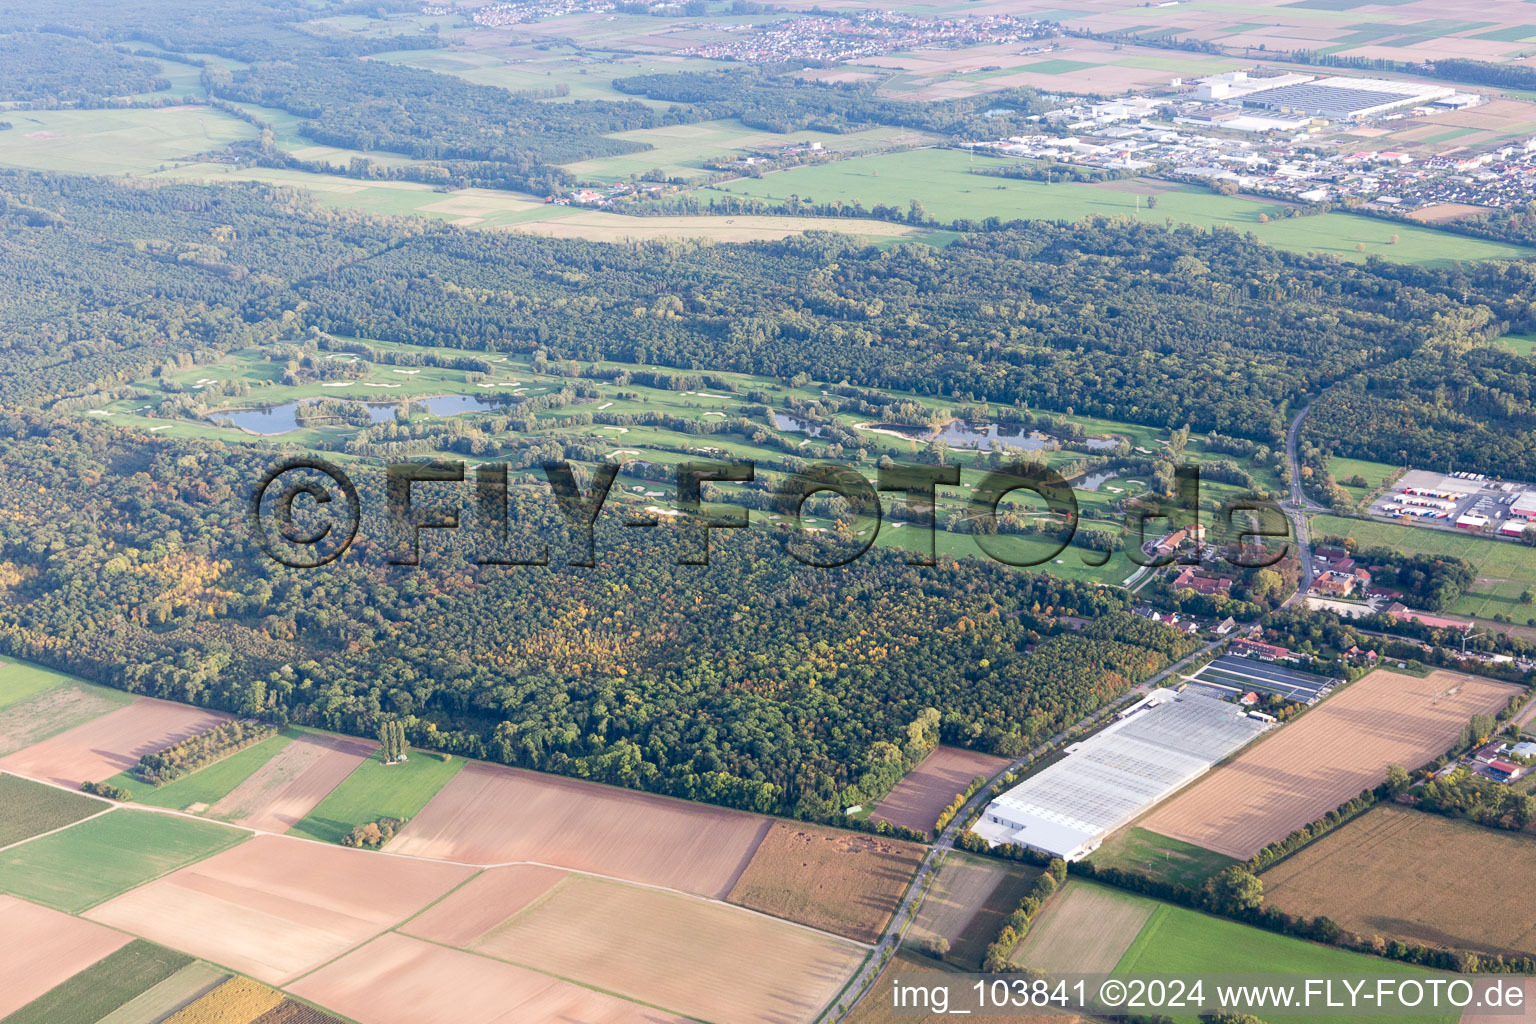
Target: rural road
858	987
1299	506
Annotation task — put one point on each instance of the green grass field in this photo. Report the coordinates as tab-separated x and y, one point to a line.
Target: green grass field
1504	568
22	679
82	866
125	141
375	790
104	986
1375	473
210	784
942	181
30	808
1520	344
1172	860
1184	942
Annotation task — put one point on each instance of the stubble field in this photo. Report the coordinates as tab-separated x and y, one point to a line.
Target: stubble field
842	882
1418	877
285	789
1299	772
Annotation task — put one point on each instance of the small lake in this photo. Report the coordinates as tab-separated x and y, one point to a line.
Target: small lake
784	421
1093	481
279	419
1101	444
960	434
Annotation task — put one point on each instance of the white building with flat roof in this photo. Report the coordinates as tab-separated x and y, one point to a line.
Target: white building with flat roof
1167	741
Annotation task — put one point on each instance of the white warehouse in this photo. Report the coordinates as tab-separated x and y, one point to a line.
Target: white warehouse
1167	741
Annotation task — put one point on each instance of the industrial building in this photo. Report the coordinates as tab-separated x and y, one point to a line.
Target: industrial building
1341	97
1167	740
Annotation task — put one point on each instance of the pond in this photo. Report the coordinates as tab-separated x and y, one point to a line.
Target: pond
784	421
1093	481
960	434
279	419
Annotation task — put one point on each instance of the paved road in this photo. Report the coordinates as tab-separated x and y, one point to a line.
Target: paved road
869	973
1298	507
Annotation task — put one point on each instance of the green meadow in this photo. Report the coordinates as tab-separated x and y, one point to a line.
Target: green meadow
376	790
93	861
208	785
1172	860
22	679
942	180
1177	941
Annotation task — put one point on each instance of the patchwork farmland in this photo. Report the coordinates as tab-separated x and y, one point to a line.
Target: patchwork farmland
399	980
494	815
627	939
41	948
1418	877
1300	772
105	746
281	792
276	907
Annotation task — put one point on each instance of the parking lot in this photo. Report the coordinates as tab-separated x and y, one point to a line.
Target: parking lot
1233	676
1450	501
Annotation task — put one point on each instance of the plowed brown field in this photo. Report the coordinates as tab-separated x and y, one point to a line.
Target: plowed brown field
41	948
399	980
276	907
494	815
282	791
113	743
918	799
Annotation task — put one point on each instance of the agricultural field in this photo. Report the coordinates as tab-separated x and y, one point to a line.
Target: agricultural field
1176	940
198	792
628	940
42	948
1375	474
598	226
1418	877
681	150
399	980
1084	928
37	714
112	743
918	799
1136	849
275	907
491	815
30	809
376	790
1504	569
1297	773
942	180
184	987
116	141
237	1001
106	985
966	904
107	855
20	680
287	787
847	883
